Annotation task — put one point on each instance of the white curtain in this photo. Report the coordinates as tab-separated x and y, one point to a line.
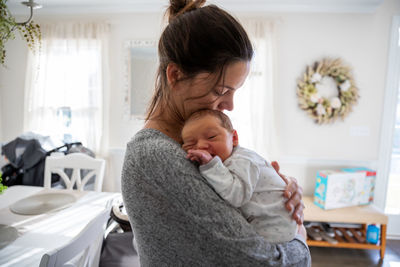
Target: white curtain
70	73
253	114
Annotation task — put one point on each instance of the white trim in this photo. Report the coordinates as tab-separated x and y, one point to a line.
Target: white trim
393	237
51	7
300	6
388	115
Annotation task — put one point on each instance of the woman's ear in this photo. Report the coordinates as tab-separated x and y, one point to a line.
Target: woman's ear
174	74
235	138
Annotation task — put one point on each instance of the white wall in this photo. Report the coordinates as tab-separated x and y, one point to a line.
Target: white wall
361	40
1	124
124	28
12	82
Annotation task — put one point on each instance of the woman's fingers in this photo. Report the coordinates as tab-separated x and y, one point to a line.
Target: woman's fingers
275	165
292	187
296	205
285	178
298	214
294	193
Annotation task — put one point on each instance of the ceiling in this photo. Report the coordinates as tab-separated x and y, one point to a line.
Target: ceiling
145	6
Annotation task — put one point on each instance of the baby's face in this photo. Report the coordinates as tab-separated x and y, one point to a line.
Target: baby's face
207	134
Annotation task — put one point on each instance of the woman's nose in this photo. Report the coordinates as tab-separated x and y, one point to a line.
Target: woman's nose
226	103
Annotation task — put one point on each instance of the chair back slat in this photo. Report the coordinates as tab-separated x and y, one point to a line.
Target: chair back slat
82	245
64	176
76	162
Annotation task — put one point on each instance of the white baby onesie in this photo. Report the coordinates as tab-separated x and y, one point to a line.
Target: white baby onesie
250	183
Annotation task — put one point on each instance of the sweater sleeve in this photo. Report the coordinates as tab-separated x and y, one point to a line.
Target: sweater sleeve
179	220
237	186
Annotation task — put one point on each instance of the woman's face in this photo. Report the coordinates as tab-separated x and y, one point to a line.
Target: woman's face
203	92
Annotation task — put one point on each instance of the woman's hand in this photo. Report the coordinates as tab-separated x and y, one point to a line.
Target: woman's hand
294	193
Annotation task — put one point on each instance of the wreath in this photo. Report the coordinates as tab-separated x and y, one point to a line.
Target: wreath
320	108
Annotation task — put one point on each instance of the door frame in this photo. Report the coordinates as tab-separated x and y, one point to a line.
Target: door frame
387	127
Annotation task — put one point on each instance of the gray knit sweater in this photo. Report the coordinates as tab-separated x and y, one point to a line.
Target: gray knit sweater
179	220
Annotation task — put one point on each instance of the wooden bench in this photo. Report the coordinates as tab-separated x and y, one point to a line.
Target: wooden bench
364	215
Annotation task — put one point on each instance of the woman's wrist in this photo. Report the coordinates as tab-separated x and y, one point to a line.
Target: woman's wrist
301	230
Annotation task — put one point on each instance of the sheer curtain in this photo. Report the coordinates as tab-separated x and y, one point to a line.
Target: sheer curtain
67	84
253	114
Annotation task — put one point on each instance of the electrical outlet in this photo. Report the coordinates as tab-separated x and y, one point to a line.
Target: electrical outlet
359	131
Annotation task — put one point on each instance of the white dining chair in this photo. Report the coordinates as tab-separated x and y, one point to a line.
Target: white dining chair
76	162
83	250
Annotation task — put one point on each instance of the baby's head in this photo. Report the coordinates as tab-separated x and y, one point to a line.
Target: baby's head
209	130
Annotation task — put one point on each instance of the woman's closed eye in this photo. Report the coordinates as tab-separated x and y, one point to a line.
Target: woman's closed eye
220	91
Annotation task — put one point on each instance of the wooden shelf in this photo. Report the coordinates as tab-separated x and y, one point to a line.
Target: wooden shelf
342	245
345	240
358	215
365	214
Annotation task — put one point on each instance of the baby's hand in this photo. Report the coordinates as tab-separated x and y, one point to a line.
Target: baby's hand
201	156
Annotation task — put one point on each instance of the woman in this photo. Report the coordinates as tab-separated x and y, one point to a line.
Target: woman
177	218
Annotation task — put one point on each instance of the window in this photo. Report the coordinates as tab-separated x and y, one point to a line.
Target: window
64	96
253	113
393	196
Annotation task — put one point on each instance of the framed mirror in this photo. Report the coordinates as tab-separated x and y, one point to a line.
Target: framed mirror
141	66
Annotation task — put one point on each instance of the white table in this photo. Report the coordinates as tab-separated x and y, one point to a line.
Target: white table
42	233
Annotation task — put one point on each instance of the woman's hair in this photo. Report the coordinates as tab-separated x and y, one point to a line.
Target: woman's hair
224	120
198	40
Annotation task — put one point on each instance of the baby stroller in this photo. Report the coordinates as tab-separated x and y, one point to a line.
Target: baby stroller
118	249
27	159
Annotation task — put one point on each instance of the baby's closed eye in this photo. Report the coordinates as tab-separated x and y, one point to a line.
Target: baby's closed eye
186	147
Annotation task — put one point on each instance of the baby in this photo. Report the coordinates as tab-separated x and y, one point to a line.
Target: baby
239	175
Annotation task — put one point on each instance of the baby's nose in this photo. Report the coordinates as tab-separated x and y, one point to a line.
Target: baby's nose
202	144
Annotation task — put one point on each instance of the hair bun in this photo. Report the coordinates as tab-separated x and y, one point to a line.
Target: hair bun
178	7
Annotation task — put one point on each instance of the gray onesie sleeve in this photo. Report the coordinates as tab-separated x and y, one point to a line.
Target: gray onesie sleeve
179	220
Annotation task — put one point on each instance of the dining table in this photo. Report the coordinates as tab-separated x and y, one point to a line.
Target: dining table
25	238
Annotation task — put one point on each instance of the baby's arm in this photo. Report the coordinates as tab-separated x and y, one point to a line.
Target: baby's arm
235	185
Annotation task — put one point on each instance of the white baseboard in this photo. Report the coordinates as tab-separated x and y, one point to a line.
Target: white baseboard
393	237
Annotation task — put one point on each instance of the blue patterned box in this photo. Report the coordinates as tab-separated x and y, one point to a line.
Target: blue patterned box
343	188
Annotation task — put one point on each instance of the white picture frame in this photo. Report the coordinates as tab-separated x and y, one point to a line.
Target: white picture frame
141	63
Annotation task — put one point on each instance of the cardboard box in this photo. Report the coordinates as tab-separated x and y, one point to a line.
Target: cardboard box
344	188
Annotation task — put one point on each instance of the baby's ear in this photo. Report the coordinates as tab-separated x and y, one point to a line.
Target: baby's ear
235	138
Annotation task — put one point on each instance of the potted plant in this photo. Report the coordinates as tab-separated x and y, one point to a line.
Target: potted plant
29	30
2	187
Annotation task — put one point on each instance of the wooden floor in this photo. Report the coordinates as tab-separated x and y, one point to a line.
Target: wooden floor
342	257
